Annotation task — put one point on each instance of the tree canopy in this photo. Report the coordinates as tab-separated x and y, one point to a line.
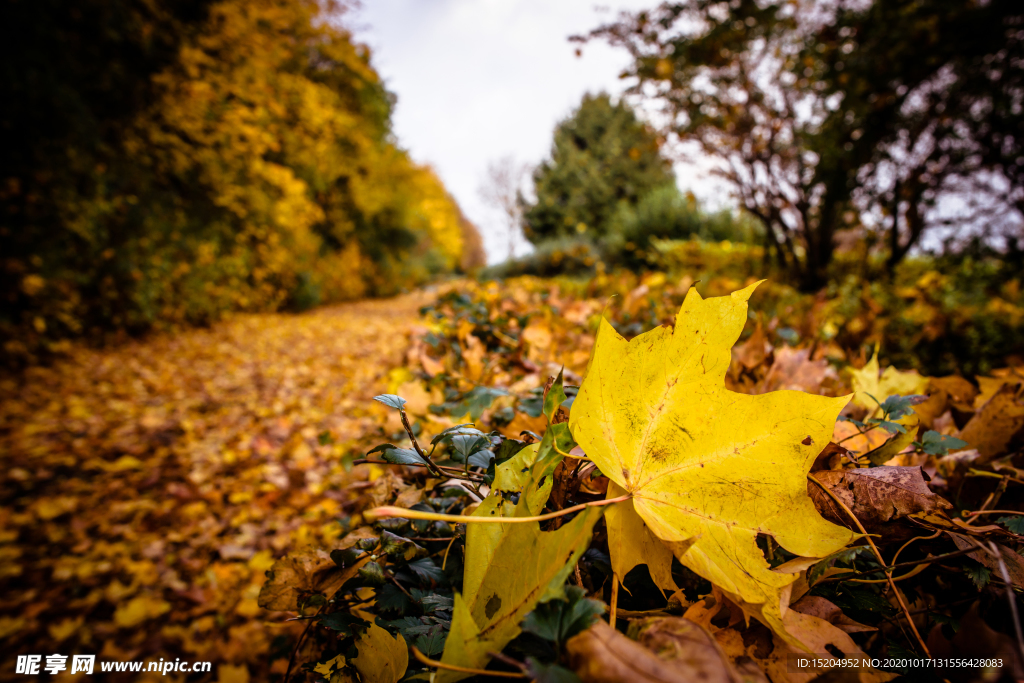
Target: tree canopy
824	117
176	161
602	156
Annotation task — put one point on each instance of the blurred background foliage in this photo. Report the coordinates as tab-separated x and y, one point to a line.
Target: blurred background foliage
166	163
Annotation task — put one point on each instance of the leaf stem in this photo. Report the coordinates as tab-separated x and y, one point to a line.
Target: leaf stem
994	512
615	601
463	669
416	444
389	511
881	561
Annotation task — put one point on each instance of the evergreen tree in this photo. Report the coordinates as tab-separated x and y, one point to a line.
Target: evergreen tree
603	156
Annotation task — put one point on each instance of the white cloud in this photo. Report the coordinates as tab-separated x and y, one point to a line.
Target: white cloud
477	80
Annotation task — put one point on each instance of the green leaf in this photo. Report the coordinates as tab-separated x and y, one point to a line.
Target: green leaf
891	427
481	459
465	445
434	602
979	575
390	598
373	574
893	446
397	546
559	620
427	570
550	673
346	558
934	443
345	623
1014	523
856	423
432	642
464	428
403	456
896	407
555	396
391	400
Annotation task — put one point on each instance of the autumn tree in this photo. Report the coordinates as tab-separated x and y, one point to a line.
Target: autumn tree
243	160
820	115
602	156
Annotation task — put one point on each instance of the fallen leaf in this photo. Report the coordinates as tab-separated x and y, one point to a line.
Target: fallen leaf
867	383
821	608
996	425
875	494
793	369
382	658
708	469
632	543
684	652
305	572
140	609
509	568
1012	561
977	640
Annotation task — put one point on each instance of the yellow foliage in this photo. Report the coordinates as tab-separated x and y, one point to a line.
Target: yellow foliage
707	469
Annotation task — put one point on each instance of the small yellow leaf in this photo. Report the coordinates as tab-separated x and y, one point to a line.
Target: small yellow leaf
229	673
330	666
867	383
139	609
382	659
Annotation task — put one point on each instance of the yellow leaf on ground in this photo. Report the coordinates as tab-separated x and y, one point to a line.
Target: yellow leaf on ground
708	469
228	673
382	658
139	609
509	567
867	383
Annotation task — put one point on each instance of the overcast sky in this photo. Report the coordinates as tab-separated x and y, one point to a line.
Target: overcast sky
477	80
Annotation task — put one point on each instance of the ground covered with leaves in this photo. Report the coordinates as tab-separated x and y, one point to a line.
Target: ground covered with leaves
236	495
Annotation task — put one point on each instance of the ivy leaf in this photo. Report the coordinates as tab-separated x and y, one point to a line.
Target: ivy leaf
390	598
1014	523
559	620
391	400
979	575
550	673
397	546
895	407
427	570
432	642
708	469
402	456
464	428
934	443
345	623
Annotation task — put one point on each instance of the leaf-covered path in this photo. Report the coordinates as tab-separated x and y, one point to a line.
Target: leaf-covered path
147	488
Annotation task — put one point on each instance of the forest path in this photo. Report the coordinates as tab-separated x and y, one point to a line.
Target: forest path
147	488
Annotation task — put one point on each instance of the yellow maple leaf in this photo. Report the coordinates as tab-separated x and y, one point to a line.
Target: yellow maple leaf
708	469
867	383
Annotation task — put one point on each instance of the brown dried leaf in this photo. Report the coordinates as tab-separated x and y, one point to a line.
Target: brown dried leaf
876	494
997	424
793	369
821	608
684	652
1013	562
306	572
